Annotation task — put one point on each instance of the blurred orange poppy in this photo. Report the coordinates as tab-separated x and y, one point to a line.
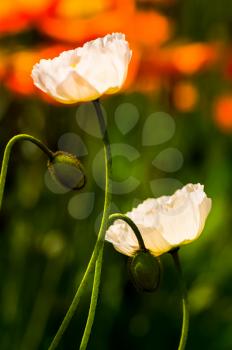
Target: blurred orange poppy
75	21
155	2
163	66
19	66
146	80
147	28
17	15
78	21
2	67
84	9
227	62
184	58
10	19
223	112
132	68
185	96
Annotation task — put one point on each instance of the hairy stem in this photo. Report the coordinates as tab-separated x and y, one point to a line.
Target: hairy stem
185	306
6	157
93	303
119	216
96	257
97	276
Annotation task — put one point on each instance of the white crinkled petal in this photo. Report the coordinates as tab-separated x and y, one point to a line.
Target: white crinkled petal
49	75
84	74
104	62
154	241
75	88
204	208
182	216
122	237
164	223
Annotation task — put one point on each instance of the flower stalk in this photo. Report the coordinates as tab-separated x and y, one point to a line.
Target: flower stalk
7	152
103	227
93	302
185	306
119	216
96	258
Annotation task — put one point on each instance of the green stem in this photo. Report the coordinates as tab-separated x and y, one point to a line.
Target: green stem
185	306
6	157
98	249
119	216
97	276
93	303
74	304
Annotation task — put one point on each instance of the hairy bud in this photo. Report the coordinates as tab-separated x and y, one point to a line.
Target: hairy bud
145	271
67	170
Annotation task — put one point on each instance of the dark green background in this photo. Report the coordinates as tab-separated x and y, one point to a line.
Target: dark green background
38	282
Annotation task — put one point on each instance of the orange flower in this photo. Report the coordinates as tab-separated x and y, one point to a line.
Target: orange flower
19	66
84	9
185	59
190	58
79	21
143	3
185	96
2	67
223	112
227	62
146	80
10	19
75	21
147	28
18	77
133	68
17	15
164	65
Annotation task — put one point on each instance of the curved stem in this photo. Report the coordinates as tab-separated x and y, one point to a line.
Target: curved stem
119	216
101	236
93	303
6	156
98	249
97	276
74	303
185	306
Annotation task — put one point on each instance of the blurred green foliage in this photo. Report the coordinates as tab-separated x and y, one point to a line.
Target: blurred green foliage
44	250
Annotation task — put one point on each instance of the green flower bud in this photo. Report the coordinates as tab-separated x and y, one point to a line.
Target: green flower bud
144	271
67	170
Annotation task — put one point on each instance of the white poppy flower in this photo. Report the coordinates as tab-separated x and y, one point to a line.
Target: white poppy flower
164	223
86	73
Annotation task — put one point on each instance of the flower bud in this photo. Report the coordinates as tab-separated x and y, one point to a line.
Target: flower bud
144	271
67	170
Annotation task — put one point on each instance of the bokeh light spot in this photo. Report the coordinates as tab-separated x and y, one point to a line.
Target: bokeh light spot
165	186
126	117
159	127
72	143
87	119
81	205
169	160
